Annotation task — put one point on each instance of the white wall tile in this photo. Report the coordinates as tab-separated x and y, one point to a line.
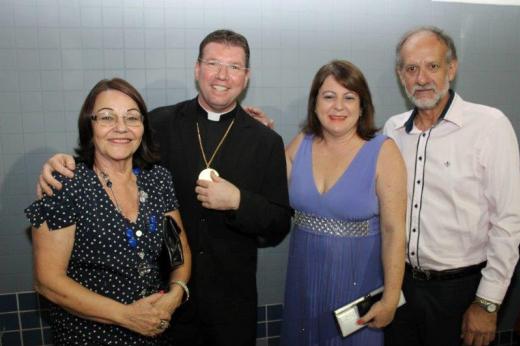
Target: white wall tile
26	37
49	38
154	38
73	80
135	58
29	81
12	144
25	16
91	17
113	38
31	101
33	122
92	37
114	58
10	102
9	81
50	59
112	17
71	59
133	17
70	16
134	38
154	18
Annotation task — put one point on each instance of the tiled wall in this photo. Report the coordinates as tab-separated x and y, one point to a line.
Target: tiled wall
24	322
53	51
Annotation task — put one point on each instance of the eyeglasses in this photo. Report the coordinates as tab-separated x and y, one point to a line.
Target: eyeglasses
109	119
215	66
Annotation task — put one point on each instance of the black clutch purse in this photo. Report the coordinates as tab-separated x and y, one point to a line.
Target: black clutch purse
171	253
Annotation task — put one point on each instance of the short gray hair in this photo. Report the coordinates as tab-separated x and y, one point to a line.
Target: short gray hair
451	53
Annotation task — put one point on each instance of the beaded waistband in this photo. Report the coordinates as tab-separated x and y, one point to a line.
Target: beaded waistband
330	226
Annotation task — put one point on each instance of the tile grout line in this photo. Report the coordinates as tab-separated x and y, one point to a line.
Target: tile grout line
40	318
19	319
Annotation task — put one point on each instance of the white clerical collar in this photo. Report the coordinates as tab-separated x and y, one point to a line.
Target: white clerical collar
215	116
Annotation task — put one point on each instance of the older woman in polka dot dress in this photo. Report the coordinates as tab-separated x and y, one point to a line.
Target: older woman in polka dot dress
97	241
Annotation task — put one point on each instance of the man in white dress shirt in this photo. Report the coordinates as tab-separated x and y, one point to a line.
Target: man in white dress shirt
463	212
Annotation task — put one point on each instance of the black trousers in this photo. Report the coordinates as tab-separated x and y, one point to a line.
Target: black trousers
197	333
432	315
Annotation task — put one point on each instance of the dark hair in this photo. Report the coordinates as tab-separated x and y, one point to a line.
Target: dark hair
349	76
228	37
451	53
145	156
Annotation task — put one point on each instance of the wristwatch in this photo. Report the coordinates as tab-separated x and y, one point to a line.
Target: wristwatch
486	305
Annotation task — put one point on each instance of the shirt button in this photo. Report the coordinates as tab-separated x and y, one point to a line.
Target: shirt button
424	134
412	253
420	158
416	206
419	182
202	219
413	230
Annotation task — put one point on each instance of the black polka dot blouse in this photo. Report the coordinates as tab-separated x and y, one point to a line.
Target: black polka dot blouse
104	257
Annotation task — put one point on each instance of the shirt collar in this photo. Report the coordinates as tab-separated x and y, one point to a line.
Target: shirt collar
408	125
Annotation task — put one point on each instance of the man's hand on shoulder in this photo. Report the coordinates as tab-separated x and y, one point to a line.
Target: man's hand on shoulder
478	326
259	115
61	163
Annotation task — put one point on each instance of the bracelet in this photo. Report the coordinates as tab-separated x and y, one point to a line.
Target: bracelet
184	287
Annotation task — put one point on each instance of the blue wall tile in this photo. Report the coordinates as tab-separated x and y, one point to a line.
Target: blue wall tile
274	341
45	317
32	337
261	331
273	328
8	302
44	303
9	321
30	319
27	301
11	339
274	312
48	337
260	313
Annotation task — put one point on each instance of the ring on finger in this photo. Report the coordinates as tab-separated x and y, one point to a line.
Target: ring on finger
163	324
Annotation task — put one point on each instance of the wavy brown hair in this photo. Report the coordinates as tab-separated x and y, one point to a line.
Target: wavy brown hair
350	77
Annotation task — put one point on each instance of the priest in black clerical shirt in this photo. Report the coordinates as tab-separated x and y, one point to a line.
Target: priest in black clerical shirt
230	178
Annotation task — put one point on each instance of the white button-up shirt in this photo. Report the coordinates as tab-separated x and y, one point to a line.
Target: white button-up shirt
463	192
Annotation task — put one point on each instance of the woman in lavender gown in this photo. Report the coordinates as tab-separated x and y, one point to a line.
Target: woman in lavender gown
347	186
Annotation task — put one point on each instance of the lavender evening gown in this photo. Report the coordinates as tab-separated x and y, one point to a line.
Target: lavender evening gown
335	250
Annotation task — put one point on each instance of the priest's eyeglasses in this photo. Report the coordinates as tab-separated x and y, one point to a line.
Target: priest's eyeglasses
216	66
107	118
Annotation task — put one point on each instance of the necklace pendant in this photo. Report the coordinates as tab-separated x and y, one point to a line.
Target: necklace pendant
144	268
205	174
142	196
138	233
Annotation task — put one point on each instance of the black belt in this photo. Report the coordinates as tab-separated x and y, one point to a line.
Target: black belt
425	275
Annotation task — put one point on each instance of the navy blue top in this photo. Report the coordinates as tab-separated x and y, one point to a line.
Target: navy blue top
102	259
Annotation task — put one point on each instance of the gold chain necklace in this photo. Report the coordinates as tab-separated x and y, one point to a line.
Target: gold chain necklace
205	174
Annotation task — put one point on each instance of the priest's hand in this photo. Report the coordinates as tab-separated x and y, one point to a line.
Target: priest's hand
218	194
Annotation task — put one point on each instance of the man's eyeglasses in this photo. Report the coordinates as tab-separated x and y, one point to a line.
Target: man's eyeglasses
109	119
215	66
